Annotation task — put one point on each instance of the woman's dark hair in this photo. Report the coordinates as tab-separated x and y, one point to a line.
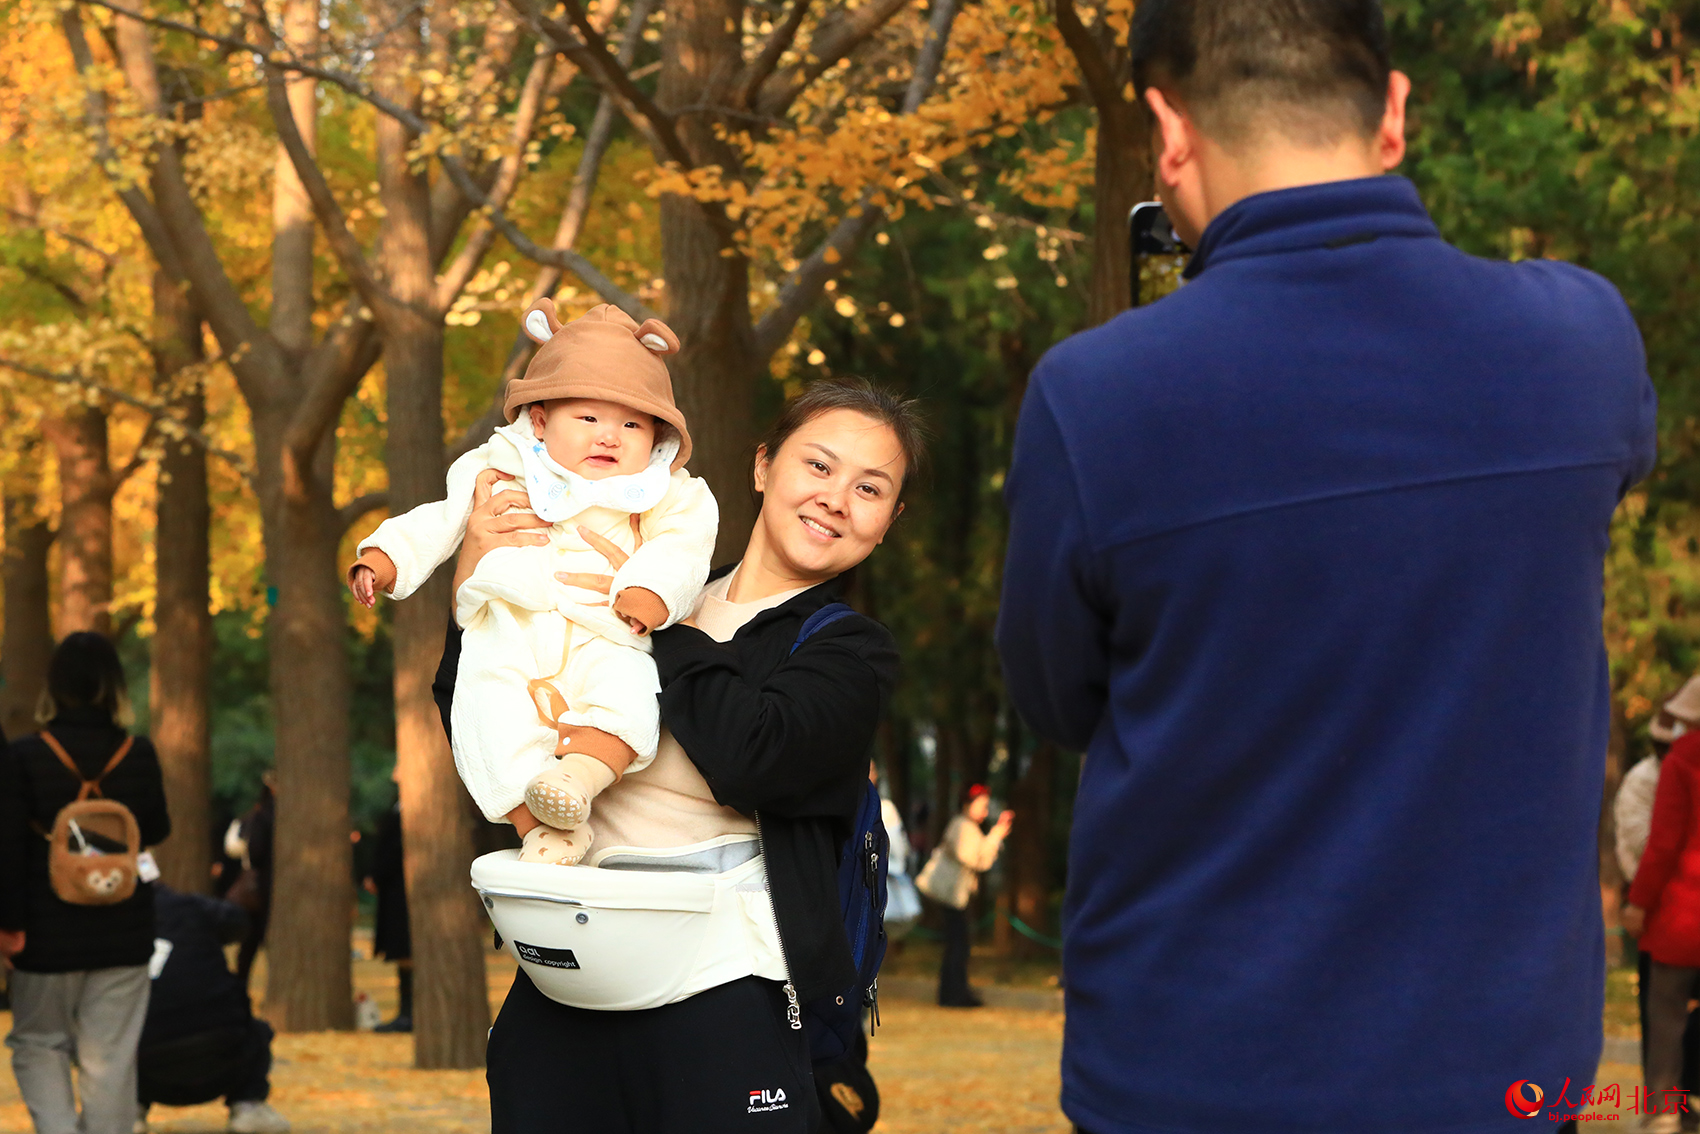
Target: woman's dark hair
85	673
901	415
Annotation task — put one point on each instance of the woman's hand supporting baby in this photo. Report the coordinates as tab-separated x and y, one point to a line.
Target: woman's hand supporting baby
498	520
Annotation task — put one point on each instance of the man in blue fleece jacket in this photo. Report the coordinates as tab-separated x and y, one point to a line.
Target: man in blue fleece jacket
1307	558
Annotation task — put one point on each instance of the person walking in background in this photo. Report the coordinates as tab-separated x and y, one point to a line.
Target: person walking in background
951	878
1664	913
80	980
902	900
249	840
391	938
1632	813
1306	558
201	1041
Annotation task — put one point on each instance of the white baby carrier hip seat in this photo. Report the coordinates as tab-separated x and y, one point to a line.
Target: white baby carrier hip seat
641	929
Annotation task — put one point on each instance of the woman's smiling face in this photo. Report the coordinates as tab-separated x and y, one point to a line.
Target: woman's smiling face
829	494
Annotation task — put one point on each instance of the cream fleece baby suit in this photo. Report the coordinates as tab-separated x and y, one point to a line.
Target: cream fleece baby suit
526	633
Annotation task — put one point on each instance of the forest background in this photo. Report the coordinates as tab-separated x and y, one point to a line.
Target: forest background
261	266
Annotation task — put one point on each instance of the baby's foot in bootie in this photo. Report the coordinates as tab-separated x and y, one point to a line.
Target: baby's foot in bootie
554	848
560	797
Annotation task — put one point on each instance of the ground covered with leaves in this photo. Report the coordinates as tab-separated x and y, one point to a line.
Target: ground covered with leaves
990	1070
940	1071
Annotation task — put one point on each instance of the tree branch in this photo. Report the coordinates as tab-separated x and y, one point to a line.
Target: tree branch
804	286
325	205
34	221
155	410
1094	68
172	223
359	506
771	52
593	57
139	457
448	208
566	234
330	374
451	281
463	180
838	34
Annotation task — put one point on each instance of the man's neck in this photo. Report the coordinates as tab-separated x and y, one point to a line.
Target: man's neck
1231	177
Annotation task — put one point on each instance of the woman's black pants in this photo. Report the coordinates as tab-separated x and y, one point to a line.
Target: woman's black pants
953	970
724	1060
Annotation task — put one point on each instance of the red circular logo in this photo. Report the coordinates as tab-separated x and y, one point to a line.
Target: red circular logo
1519	1104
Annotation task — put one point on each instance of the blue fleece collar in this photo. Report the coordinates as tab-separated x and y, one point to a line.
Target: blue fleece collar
1334	214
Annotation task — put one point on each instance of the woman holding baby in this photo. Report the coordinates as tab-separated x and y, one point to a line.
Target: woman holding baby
762	751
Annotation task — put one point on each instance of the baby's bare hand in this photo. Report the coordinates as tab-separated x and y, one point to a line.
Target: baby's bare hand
363	581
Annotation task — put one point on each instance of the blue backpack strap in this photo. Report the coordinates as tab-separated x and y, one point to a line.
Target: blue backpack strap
825	616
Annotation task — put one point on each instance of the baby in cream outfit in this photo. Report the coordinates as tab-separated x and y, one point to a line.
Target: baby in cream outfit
556	690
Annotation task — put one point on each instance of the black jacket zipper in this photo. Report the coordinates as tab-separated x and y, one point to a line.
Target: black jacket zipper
793	1008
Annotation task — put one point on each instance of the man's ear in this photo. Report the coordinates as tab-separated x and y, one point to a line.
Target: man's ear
1391	136
1174	132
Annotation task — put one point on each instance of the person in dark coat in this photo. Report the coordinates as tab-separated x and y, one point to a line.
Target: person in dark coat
390	937
201	1041
80	980
253	845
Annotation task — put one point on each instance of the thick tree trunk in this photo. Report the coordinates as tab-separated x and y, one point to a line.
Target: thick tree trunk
309	984
715	374
85	519
708	285
451	1012
29	630
182	643
1122	179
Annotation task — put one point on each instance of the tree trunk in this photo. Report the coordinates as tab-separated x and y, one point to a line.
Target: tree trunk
29	630
1027	866
292	212
451	1011
85	519
1122	178
708	283
309	985
182	643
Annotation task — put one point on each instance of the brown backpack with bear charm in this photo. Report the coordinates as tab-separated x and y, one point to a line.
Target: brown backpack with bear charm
93	848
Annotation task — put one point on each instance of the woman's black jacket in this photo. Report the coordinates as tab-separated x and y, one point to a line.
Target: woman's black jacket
34	785
784	737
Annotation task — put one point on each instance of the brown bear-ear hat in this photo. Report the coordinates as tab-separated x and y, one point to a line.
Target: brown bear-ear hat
603	354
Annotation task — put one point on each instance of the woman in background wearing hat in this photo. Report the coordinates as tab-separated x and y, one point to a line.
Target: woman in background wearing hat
1670	1046
951	877
1664	910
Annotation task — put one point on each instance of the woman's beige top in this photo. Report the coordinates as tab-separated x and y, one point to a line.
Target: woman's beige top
669	804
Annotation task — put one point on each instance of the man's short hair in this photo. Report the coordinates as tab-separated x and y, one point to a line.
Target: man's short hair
1308	70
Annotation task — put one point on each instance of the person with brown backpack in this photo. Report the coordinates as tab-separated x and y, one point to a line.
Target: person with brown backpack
78	802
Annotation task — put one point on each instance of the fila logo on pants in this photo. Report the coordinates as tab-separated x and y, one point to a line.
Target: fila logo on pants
763	1101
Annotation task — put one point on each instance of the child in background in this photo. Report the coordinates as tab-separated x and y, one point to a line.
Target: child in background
557	689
